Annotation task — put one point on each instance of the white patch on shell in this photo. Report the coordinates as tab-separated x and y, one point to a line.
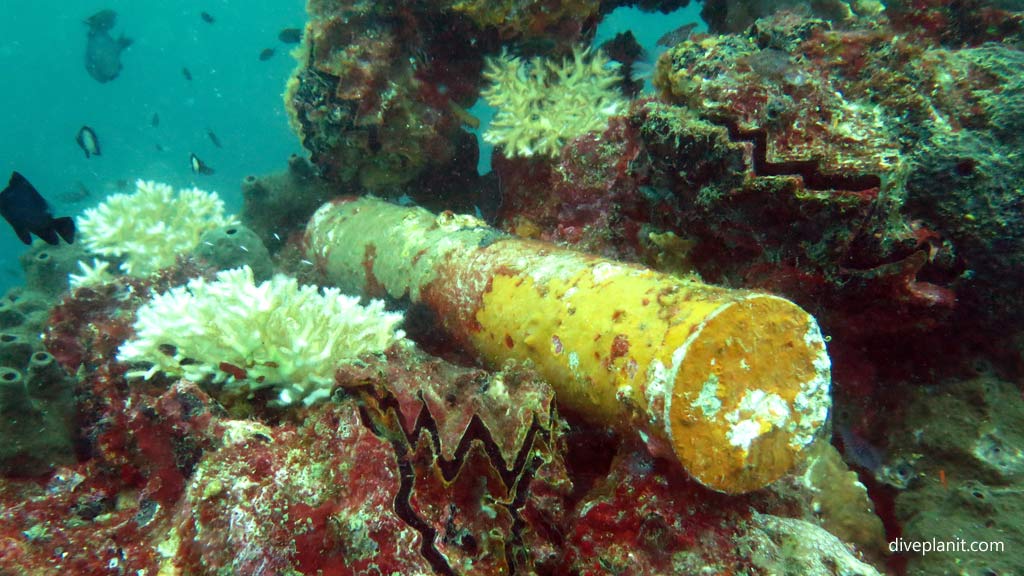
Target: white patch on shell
661	379
708	401
758	413
604	271
813	401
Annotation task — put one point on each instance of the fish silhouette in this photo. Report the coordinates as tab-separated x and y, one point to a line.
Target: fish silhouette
102	51
290	35
198	166
28	213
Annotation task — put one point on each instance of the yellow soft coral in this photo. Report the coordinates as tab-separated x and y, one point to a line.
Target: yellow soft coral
542	104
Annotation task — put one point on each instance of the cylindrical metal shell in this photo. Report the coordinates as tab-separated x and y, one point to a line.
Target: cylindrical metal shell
733	384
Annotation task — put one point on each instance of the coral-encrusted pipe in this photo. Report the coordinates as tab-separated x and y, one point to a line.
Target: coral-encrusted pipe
734	384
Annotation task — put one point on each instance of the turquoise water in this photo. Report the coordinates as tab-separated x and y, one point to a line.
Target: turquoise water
48	96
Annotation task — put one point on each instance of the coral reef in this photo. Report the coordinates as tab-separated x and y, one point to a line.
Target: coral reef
414	468
146	230
251	336
861	163
91	274
784	545
528	20
542	104
725	16
848	131
834	498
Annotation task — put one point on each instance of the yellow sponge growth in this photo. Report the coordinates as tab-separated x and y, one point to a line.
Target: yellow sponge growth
542	104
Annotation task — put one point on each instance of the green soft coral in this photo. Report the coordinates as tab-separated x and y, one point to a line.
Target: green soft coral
543	104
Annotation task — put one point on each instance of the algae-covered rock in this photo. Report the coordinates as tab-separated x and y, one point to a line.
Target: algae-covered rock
837	500
791	546
968	441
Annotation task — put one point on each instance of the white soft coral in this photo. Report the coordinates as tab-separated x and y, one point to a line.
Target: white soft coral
148	229
274	334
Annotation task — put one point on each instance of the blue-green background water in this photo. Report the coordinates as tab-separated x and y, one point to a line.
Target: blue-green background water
48	96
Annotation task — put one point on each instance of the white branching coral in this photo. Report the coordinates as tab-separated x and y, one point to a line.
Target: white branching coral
275	334
542	104
97	273
149	228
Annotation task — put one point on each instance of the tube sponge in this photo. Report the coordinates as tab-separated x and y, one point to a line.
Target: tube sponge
148	229
275	334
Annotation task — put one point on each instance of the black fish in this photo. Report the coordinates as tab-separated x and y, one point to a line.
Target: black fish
290	35
88	142
213	138
28	213
198	166
155	120
102	51
185	72
103	20
266	54
206	17
158	147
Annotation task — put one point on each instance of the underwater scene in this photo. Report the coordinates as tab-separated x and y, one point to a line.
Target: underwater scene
512	287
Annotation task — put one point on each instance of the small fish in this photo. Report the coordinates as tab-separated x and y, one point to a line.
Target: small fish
198	166
206	17
673	37
102	51
28	213
290	35
155	120
185	72
859	450
266	54
213	138
159	147
77	195
88	142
